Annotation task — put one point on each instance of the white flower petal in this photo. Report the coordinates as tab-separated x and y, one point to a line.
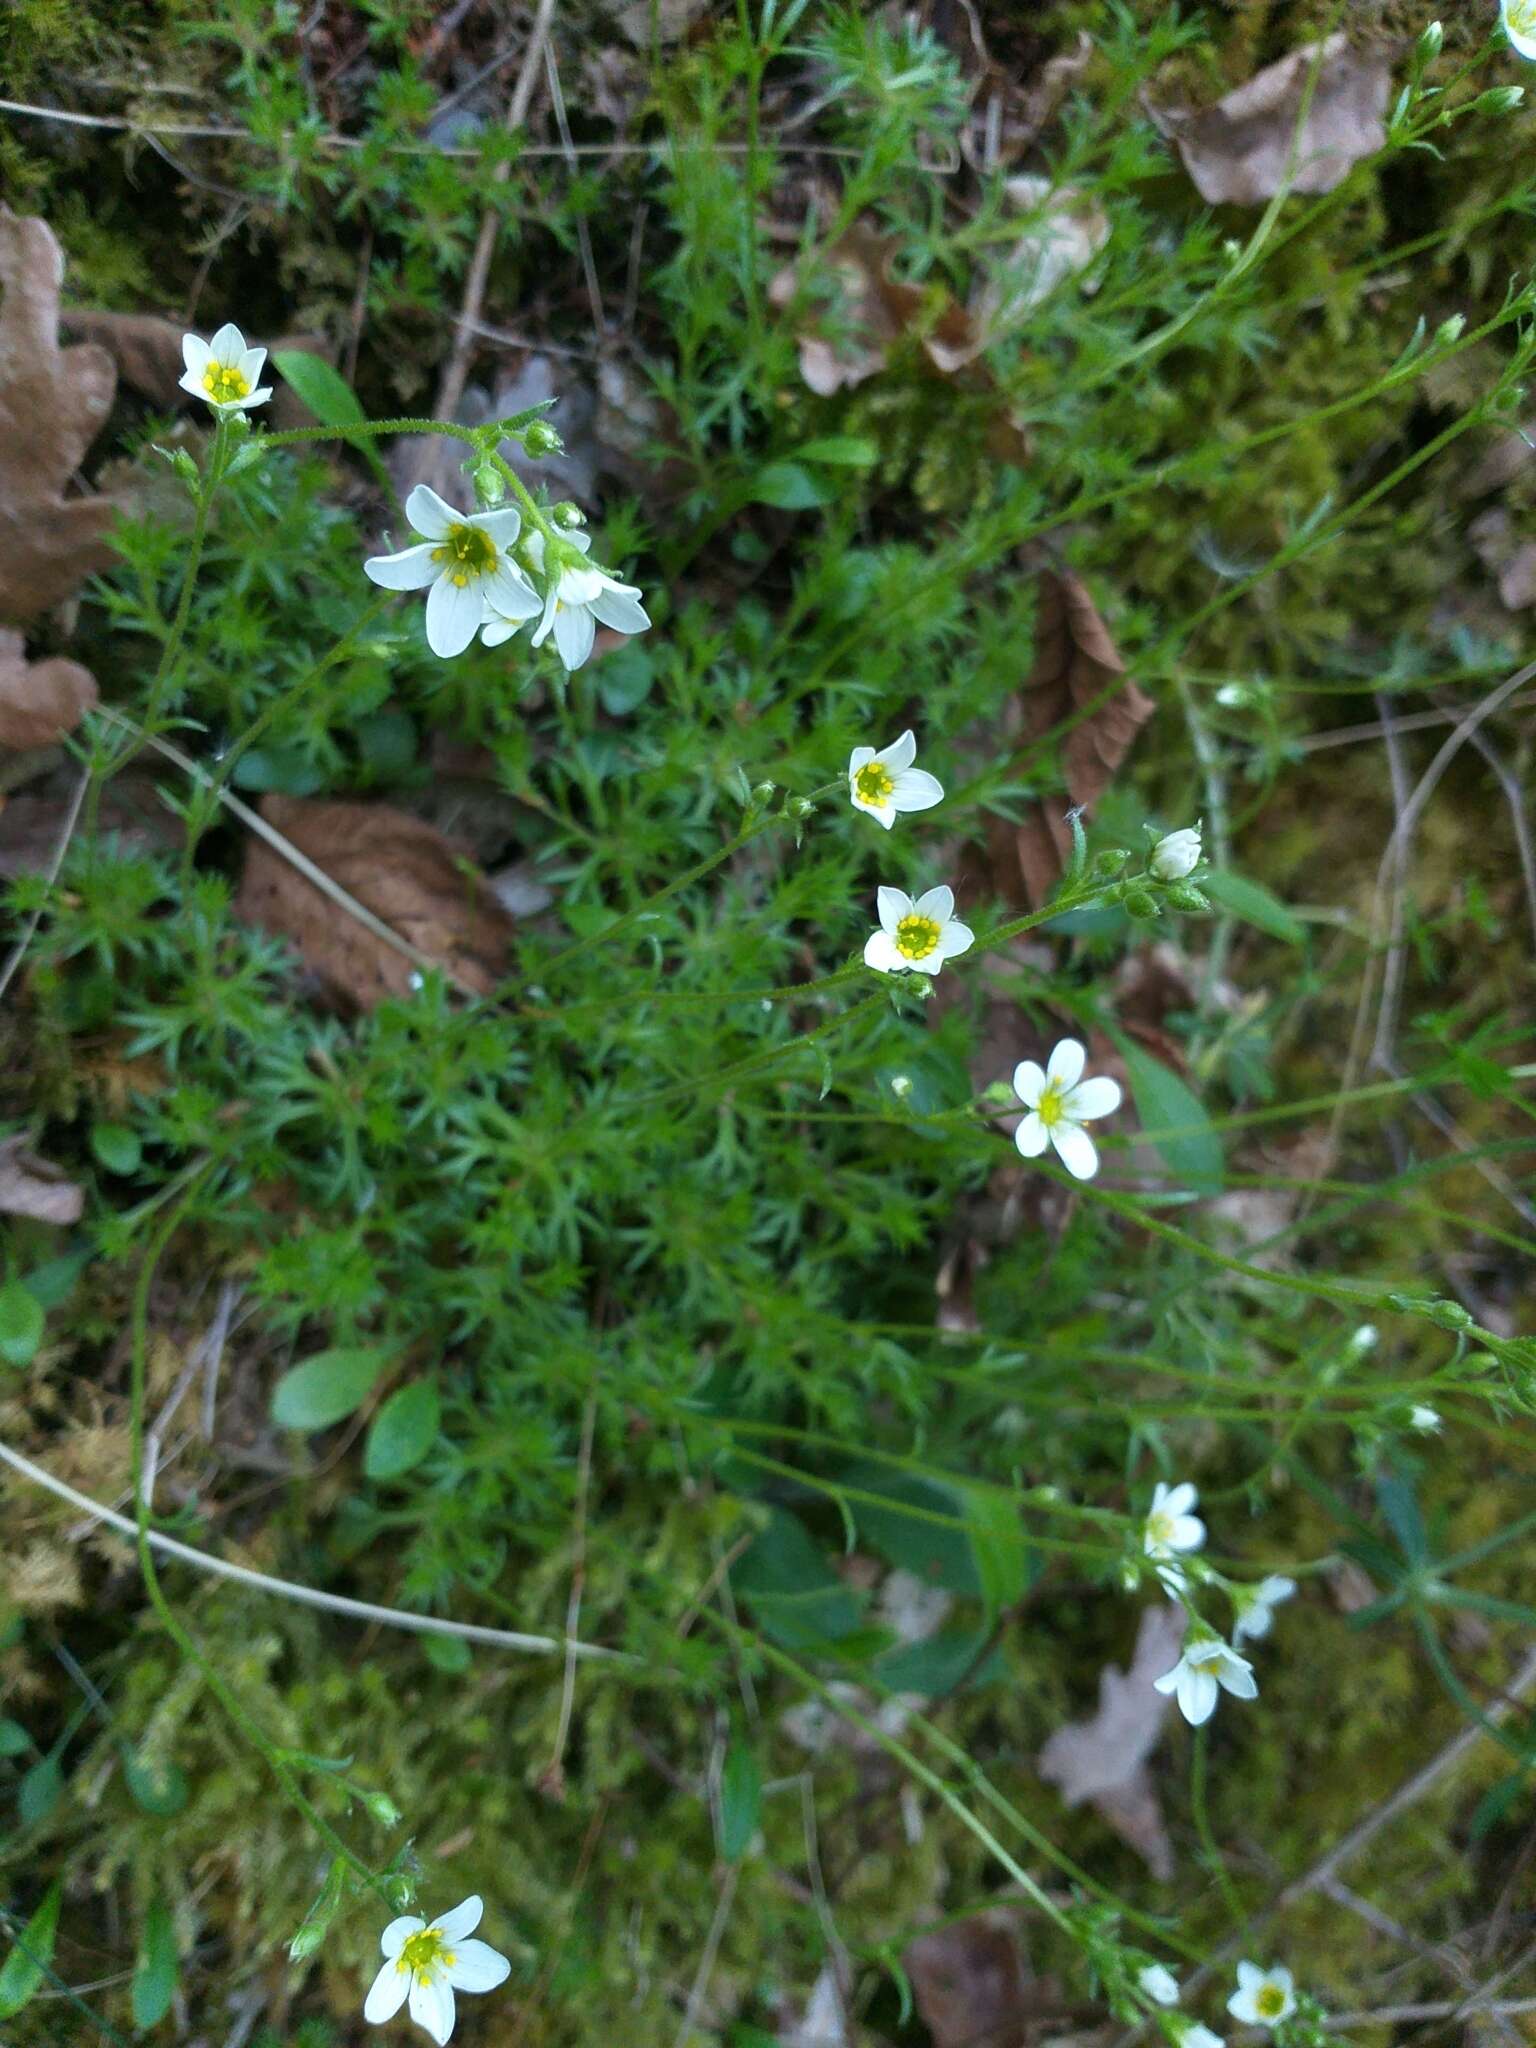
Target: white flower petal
432	2006
196	354
1243	2005
1076	1150
251	360
893	905
938	903
462	1920
430	514
954	939
880	952
453	615
1032	1137
1249	1976
575	630
916	790
1066	1063
859	758
625	614
1159	1983
541	631
386	1994
508	594
502	526
884	813
1176	1500
1187	1533
1197	1696
497	630
227	346
395	1935
1028	1082
476	1966
411	569
258	397
900	753
1097	1096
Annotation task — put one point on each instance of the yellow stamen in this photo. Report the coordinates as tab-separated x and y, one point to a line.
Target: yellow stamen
224	383
916	937
1270	2002
874	782
1160	1527
425	1953
1051	1108
469	550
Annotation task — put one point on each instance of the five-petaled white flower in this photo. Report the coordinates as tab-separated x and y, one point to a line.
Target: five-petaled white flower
1159	1983
224	371
1171	1524
1256	1607
1208	1666
1519	18
886	783
466	557
1263	1998
427	1961
919	934
1176	854
1060	1102
577	600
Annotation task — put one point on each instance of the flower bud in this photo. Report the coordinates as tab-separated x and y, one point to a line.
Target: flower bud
1141	904
1185	896
1108	862
540	438
1176	854
1450	330
1499	99
568	515
490	484
1427	49
381	1808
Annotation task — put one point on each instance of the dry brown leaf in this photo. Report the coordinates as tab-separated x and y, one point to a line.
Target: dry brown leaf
40	701
53	403
1076	662
974	1987
1068	229
34	1187
1104	1760
1509	558
401	869
1239	151
873	312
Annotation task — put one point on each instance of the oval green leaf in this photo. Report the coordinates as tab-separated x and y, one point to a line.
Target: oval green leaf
1174	1120
1255	905
116	1148
154	1976
21	1975
324	390
326	1388
403	1431
21	1324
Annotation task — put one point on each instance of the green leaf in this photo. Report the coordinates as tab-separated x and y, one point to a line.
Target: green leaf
448	1653
116	1148
21	1324
1255	905
797	1597
788	487
14	1739
741	1800
22	1973
624	679
900	1525
325	1388
154	1978
288	770
1192	1149
940	1662
403	1431
1003	1564
324	390
844	451
52	1283
388	741
39	1791
158	1789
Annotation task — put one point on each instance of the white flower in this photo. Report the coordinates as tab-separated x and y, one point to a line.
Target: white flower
427	1961
224	371
1263	1998
1425	1420
1207	1666
1176	854
1171	1523
921	935
1060	1102
466	557
886	783
1196	2036
1519	18
576	602
1256	1606
1159	1984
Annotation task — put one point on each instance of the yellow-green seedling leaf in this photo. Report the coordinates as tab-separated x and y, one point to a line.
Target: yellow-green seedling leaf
326	1388
154	1976
21	1324
23	1971
403	1431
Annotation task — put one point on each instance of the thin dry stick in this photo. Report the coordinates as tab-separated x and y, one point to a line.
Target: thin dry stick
554	1773
583	235
706	1969
450	392
306	1596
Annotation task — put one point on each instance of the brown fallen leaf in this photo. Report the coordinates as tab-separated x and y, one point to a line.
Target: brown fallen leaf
974	1987
1240	151
1104	1760
53	403
34	1187
842	345
1507	555
1067	229
1076	663
40	701
401	869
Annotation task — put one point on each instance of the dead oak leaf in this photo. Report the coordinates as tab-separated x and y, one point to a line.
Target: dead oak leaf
1246	148
400	868
34	1187
1073	684
974	1986
40	701
1104	1760
53	403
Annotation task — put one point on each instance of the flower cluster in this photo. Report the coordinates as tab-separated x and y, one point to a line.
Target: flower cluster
1263	1998
1171	1535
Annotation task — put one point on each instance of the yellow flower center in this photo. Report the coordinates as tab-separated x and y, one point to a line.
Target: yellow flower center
1051	1108
424	1954
916	937
469	551
874	782
1270	2002
224	383
1522	16
1211	1664
1160	1527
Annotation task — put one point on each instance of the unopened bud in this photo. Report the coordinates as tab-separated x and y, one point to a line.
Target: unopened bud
540	438
1185	896
1141	904
1176	855
382	1808
490	484
1109	860
1499	99
568	515
1427	49
800	807
1450	330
